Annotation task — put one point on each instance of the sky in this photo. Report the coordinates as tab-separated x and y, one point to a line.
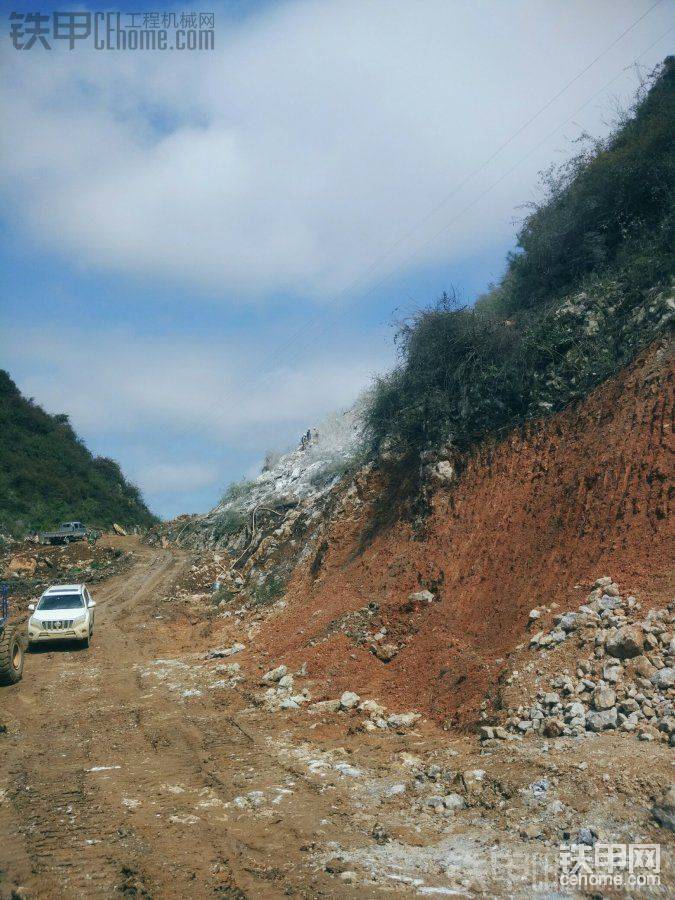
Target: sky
205	251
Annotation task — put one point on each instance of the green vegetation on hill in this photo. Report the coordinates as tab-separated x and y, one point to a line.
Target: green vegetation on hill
586	288
47	475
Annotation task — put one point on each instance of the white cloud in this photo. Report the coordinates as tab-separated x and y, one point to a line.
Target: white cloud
118	384
183	477
296	153
184	417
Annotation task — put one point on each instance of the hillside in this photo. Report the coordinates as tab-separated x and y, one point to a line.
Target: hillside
561	502
455	608
521	446
576	303
47	474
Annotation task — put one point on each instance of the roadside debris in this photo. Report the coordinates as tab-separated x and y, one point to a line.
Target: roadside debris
222	652
622	675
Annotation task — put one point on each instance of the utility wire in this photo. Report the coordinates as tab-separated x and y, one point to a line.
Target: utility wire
236	394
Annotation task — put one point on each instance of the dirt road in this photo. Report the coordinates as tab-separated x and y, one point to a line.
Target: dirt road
114	782
140	768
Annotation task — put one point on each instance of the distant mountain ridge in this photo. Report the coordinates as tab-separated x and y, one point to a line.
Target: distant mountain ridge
48	475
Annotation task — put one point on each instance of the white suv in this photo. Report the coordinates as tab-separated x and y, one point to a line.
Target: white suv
63	612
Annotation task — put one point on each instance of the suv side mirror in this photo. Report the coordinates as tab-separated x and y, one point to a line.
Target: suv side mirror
91	603
31	607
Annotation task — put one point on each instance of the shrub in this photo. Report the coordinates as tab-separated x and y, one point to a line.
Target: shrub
605	231
610	206
236	491
462	372
269	591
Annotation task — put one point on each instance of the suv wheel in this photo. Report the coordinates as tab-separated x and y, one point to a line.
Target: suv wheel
11	656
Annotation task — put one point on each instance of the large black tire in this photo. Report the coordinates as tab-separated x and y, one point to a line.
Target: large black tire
11	656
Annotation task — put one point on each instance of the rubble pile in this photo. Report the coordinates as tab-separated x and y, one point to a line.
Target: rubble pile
624	678
377	717
282	694
29	567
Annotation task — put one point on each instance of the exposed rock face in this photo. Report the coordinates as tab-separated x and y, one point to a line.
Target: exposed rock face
512	534
442	472
21	565
290	486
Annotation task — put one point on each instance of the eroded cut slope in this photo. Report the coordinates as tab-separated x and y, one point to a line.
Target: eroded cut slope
557	504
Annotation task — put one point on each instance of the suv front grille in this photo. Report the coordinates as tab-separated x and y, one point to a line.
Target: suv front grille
58	625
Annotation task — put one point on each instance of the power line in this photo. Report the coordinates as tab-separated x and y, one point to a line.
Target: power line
316	318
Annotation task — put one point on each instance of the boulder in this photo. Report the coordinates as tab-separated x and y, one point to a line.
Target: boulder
587	836
372	708
421	597
349	700
274	675
554	727
324	706
568	621
385	652
225	651
453	802
667	724
612	673
601	720
608	602
230	669
663	678
626	642
403	720
603	582
289	703
603	698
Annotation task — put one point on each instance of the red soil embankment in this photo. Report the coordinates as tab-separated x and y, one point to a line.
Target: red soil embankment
581	494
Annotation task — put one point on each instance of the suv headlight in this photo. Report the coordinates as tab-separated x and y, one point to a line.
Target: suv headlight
80	620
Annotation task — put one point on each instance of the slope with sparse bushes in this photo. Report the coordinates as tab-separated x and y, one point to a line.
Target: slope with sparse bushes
522	446
589	285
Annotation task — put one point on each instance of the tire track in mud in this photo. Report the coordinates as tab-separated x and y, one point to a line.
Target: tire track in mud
67	707
115	784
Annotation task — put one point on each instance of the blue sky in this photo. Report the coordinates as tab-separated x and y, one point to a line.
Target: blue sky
203	255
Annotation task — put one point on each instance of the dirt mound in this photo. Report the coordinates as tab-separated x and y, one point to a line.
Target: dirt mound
28	568
561	501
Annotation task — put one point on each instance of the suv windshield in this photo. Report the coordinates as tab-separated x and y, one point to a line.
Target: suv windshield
61	601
